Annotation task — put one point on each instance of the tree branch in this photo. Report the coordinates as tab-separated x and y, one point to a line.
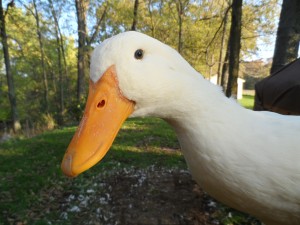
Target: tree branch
219	28
215	35
9	5
97	27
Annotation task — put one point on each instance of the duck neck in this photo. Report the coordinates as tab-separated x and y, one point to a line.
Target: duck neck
200	101
206	121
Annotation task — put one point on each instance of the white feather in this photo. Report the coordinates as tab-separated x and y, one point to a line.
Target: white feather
248	160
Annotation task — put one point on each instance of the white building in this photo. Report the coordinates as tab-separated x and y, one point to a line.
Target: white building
240	84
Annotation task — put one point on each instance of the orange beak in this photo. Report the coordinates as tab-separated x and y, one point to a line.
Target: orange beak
106	110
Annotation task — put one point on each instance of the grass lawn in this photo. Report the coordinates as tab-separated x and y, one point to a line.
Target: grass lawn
247	101
30	168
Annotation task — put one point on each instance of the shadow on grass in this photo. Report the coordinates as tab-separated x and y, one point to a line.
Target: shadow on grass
29	166
34	191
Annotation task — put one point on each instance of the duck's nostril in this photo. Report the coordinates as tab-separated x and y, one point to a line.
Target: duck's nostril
101	104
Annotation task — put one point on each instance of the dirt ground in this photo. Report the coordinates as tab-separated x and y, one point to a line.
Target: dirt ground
144	197
152	196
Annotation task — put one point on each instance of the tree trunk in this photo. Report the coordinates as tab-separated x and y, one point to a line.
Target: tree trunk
151	18
235	46
9	76
42	52
179	7
288	35
225	68
135	14
81	10
59	47
84	43
220	65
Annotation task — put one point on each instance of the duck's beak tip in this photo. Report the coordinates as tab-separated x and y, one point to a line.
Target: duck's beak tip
66	166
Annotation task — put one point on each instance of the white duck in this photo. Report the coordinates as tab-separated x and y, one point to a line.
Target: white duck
245	159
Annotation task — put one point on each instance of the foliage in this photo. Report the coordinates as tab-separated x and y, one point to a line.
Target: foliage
25	57
258	24
253	72
197	23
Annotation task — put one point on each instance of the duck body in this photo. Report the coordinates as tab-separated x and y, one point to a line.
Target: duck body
248	160
241	158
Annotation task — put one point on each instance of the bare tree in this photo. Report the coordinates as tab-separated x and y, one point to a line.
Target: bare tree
288	35
62	69
84	42
224	22
81	10
225	68
180	7
151	18
9	75
135	14
235	47
42	52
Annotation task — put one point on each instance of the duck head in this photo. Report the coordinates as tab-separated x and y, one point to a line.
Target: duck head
130	74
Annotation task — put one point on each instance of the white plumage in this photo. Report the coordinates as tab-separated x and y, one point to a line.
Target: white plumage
248	160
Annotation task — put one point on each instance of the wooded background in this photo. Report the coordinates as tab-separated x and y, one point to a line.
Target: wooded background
46	46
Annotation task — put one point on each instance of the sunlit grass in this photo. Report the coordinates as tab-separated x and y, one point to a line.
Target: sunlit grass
247	101
28	167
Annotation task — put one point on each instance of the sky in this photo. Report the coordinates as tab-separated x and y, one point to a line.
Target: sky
265	51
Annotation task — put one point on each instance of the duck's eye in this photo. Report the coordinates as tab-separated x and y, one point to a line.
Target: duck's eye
139	54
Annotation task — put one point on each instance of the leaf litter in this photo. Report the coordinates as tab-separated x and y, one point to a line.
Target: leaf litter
132	196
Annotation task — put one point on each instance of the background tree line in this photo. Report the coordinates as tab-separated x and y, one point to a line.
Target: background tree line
46	46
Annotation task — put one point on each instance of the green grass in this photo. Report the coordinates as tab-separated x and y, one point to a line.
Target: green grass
29	166
247	101
26	166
